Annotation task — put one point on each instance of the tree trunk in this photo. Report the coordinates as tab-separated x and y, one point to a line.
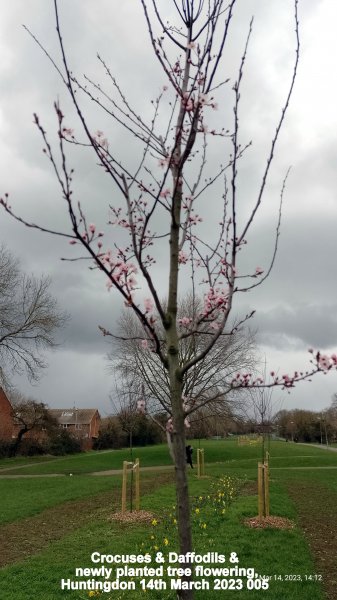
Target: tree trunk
182	493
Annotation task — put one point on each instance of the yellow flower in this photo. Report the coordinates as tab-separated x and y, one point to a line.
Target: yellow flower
154	522
152	537
166	541
204	525
174	521
200	497
155	547
197	511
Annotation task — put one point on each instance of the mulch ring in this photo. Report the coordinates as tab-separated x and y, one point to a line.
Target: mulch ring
317	512
269	522
24	538
137	516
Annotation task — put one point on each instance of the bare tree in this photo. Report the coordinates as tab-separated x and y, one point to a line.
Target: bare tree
161	199
207	383
29	415
29	317
124	403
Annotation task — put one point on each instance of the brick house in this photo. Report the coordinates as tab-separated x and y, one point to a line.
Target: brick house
7	426
83	423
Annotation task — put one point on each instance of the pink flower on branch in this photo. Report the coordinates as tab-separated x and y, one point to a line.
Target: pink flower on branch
165	193
149	306
321	363
185	321
194	219
67	132
183	258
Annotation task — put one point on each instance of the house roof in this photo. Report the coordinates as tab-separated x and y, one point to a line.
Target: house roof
73	416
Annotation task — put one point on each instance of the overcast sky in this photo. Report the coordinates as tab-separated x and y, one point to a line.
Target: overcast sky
296	308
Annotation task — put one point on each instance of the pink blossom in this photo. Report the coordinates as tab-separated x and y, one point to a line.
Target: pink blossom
100	244
92	228
165	193
258	271
182	258
203	99
165	88
72	242
194	219
191	45
215	300
68	132
149	306
163	162
324	362
185	321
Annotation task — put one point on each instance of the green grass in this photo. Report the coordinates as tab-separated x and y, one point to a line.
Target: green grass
22	498
224	451
269	552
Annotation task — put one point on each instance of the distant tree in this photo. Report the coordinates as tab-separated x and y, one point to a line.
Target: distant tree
110	434
207	383
29	318
29	415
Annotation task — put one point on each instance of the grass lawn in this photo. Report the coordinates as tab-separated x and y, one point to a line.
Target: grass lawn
50	526
228	451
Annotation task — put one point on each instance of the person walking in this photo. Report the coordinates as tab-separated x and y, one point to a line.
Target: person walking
189	452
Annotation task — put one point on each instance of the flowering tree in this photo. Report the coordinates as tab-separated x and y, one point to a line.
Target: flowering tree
160	204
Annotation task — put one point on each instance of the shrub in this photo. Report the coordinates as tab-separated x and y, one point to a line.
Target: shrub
62	442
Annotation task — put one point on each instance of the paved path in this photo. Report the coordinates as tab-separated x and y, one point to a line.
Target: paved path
94	473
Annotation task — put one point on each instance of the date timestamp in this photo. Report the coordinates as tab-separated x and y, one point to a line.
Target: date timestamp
293	577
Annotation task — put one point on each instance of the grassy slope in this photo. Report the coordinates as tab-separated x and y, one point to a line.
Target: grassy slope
270	552
227	451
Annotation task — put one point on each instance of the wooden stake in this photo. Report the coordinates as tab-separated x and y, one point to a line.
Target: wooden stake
266	489
260	490
137	484
125	475
201	462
